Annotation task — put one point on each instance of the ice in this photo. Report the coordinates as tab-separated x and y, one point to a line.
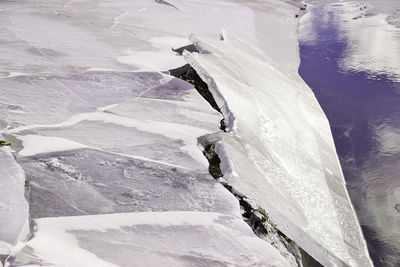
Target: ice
14	224
63	38
109	144
281	153
150	239
130	146
33	144
136	151
91	182
57	98
162	59
132	128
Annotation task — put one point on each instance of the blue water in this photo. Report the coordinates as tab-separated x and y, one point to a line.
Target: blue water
358	106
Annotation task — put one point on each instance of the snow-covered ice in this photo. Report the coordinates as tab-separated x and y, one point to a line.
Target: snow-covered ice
33	144
109	146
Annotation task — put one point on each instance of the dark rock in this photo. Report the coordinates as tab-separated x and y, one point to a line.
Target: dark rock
190	48
163	2
214	161
397	207
188	74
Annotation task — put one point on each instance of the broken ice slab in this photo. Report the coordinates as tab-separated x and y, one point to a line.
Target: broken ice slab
137	155
121	159
143	123
14	225
148	239
280	151
88	181
56	98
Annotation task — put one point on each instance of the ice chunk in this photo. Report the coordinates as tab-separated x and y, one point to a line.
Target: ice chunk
87	181
281	153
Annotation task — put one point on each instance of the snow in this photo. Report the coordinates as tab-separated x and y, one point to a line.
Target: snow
150	60
35	144
162	59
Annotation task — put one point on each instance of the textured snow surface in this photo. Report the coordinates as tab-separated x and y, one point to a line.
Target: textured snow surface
280	152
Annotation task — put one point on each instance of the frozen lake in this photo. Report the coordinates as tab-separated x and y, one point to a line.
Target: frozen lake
352	64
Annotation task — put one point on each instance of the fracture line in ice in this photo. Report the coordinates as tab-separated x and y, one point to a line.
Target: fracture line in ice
37	144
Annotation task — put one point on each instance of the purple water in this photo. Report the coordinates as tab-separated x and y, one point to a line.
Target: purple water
364	114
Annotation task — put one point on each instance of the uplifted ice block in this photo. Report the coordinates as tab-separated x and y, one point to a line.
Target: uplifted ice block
279	151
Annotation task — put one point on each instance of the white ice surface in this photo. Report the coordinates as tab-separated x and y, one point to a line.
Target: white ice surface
151	239
280	151
116	35
162	59
36	144
183	120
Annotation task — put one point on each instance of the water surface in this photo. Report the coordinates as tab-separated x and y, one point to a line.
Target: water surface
363	109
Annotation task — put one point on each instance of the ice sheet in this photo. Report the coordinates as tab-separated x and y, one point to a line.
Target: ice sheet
79	76
151	239
281	153
89	181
